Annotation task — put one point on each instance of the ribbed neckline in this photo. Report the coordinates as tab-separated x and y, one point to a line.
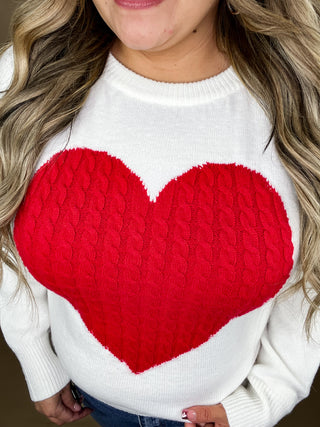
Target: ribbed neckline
200	92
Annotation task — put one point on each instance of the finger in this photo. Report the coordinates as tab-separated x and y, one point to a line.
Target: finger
67	416
203	414
63	414
82	414
196	425
54	408
68	400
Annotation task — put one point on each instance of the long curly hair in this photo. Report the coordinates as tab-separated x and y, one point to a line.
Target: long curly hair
60	49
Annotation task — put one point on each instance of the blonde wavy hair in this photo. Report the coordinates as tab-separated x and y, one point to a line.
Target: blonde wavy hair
60	48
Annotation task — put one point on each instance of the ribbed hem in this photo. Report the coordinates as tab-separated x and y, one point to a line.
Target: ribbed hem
43	372
149	90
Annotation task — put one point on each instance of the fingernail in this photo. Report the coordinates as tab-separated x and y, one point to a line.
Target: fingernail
77	407
184	415
189	415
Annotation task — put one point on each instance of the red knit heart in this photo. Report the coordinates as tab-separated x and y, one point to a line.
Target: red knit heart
153	280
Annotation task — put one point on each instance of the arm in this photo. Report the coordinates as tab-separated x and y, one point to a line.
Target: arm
25	326
284	369
25	323
281	376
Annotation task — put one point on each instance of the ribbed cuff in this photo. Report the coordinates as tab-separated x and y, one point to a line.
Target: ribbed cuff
244	410
42	369
245	407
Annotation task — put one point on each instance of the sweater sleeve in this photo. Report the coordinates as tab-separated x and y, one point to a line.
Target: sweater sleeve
25	325
284	369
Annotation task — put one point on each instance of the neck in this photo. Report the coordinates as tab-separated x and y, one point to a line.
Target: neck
196	58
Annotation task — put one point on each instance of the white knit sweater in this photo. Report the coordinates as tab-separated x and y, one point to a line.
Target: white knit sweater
156	244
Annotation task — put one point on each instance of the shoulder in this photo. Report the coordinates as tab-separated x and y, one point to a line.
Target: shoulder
6	69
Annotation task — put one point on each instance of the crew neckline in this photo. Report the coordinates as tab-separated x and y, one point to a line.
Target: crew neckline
149	90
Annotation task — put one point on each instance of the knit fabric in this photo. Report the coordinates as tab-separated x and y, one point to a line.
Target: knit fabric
217	238
158	234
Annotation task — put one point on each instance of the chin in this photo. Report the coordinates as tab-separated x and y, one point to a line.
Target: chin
143	40
141	45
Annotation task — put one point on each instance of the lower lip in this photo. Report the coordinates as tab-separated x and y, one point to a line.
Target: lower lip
138	4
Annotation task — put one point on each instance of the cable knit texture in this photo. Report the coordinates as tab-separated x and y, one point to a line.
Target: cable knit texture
153	280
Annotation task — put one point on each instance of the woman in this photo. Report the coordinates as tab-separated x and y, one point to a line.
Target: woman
160	208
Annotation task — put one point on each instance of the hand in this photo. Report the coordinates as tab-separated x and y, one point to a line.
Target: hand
62	407
206	416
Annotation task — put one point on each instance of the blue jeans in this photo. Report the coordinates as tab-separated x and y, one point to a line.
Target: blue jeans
107	416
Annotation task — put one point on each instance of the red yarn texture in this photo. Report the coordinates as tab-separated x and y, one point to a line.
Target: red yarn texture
153	280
